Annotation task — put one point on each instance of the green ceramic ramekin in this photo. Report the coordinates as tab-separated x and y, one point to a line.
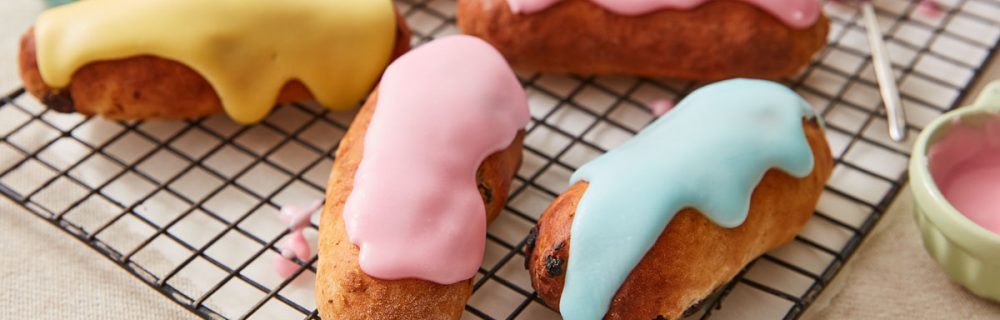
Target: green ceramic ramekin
969	253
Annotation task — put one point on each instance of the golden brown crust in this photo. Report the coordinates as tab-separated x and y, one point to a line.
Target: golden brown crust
693	256
343	291
577	36
146	87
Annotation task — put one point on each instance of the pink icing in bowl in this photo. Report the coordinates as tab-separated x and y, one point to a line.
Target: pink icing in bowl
953	167
965	164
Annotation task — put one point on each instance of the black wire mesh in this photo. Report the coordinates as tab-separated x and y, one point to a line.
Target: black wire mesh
189	207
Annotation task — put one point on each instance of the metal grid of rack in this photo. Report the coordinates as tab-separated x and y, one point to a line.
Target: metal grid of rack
190	207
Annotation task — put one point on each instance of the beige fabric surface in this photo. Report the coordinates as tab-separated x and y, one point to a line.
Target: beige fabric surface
892	277
46	274
11	27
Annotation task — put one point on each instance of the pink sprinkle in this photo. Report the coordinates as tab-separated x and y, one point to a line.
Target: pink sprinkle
661	106
930	8
295	245
297	218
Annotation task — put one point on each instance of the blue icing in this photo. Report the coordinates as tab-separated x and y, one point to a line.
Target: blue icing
709	153
53	3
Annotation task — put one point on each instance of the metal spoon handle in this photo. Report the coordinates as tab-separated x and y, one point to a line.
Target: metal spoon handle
884	74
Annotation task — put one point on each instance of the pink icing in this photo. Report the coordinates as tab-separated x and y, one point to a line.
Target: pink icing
930	8
416	211
295	245
660	107
297	218
795	13
966	166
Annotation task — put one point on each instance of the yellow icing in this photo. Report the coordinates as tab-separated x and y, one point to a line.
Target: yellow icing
246	49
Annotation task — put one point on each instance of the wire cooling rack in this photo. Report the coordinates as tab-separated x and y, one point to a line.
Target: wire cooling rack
190	208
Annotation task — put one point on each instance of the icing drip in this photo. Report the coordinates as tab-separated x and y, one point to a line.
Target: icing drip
795	13
246	49
708	153
930	8
295	246
661	107
415	210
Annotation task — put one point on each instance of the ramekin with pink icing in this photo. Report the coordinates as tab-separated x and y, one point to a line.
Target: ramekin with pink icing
955	175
